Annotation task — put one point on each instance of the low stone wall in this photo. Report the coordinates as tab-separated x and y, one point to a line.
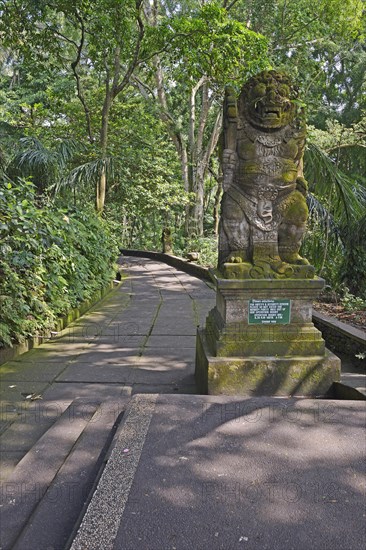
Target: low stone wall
339	337
8	354
180	263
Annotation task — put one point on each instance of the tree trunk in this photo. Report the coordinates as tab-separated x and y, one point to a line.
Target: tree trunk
194	157
102	181
197	164
194	221
216	209
184	167
101	189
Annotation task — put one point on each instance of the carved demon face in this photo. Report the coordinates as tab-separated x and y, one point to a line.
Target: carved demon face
267	100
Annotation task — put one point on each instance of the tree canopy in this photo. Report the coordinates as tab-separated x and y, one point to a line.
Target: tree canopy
119	104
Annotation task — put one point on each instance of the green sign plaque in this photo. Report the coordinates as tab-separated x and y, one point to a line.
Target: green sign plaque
269	312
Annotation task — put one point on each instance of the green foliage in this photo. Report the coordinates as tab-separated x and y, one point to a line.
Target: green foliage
208	42
47	167
205	246
52	258
337	190
353	265
335	242
322	47
351	302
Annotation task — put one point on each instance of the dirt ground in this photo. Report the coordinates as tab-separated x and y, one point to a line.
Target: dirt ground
355	318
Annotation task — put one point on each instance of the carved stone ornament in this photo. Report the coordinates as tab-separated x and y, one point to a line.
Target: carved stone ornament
263	210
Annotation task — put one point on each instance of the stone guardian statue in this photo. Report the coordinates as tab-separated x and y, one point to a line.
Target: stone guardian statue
263	209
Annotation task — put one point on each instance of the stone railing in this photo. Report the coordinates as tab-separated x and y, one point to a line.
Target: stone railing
8	354
180	263
340	337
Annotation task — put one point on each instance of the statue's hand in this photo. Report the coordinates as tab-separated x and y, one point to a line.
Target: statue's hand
229	159
302	185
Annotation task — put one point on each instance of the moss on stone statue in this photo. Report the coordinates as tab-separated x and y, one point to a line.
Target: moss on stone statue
264	270
243	348
264	210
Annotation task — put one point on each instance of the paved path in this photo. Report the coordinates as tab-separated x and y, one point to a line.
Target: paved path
62	403
141	338
231	473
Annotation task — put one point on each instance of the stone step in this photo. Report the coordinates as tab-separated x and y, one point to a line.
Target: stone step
221	472
43	497
351	386
28	422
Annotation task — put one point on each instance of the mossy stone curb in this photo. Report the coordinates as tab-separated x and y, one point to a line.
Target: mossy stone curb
8	354
174	261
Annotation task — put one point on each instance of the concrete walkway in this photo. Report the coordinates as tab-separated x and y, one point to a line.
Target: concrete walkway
62	403
229	473
140	338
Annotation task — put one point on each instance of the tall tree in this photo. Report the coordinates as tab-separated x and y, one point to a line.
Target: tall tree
99	42
202	49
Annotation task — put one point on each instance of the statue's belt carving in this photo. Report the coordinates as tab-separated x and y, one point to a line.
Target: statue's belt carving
260	189
270	166
269	141
281	136
249	205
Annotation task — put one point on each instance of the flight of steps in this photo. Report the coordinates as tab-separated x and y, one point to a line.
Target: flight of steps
42	499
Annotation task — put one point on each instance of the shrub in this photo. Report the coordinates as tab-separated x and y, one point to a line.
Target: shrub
205	246
51	259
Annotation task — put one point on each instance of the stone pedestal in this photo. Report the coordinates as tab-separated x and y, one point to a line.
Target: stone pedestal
260	340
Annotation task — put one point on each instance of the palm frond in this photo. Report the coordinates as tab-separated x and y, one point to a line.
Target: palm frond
66	151
33	156
89	172
345	196
48	167
321	215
